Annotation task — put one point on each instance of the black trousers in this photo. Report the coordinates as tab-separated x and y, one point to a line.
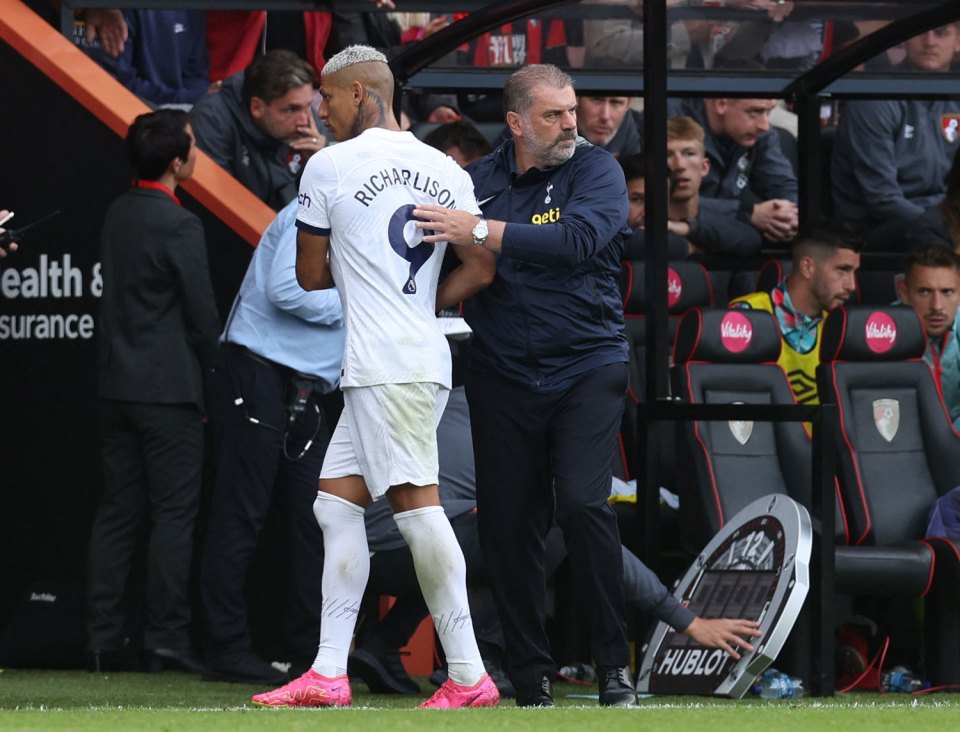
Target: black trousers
540	457
253	461
152	470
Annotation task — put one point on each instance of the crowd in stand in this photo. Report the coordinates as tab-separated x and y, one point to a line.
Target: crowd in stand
888	168
251	82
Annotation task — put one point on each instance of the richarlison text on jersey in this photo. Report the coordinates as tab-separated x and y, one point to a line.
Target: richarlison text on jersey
422	182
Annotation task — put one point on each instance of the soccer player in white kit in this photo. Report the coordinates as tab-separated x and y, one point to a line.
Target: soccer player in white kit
356	204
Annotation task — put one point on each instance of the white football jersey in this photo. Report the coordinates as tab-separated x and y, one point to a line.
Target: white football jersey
361	193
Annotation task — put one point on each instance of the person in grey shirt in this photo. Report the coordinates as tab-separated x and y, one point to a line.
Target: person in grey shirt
260	126
891	157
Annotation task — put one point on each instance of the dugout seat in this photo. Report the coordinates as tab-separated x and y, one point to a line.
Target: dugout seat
897	453
726	357
730	464
688	285
772	272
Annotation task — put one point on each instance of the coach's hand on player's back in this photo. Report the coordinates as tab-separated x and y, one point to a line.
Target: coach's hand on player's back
457	227
445	224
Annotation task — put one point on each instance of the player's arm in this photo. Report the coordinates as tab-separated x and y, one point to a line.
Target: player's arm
477	270
313	267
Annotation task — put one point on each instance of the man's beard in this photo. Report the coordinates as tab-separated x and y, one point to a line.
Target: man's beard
550	154
557	155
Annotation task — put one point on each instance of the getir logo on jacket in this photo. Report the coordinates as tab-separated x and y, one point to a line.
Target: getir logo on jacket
550	217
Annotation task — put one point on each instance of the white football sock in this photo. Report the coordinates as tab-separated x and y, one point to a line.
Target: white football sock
442	574
346	567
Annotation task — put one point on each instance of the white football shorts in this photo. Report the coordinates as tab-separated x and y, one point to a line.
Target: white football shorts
388	435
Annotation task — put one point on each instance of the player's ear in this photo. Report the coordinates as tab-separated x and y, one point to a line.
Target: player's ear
358	92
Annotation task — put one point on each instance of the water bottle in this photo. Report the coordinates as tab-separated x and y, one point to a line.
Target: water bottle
579	672
778	685
900	679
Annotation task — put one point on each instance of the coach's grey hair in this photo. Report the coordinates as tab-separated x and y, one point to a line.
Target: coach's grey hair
518	91
353	55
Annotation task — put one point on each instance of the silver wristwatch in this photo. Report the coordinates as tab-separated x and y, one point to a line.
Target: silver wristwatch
480	232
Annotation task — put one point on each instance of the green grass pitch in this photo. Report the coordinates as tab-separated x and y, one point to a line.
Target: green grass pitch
81	701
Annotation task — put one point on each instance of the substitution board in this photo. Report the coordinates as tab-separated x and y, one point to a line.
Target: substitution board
756	567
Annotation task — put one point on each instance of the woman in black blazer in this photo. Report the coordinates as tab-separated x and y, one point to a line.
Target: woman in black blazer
158	331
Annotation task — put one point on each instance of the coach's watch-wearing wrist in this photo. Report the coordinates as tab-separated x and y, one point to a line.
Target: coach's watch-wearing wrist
480	232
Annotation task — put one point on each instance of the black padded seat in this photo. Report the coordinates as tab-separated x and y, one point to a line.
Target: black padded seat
772	272
897	453
906	569
725	356
688	285
895	432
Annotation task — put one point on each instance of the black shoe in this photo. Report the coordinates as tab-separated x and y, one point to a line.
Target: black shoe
536	696
499	676
381	669
180	659
111	660
616	687
243	667
439	677
299	666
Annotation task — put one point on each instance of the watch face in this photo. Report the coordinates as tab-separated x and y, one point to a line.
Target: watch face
754	568
757	546
480	232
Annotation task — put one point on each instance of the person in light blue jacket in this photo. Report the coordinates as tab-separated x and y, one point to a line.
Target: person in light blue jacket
280	352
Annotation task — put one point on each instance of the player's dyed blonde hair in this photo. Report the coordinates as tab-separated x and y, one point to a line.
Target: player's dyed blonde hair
353	55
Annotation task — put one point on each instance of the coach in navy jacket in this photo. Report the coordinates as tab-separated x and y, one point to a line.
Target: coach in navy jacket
554	310
547	374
